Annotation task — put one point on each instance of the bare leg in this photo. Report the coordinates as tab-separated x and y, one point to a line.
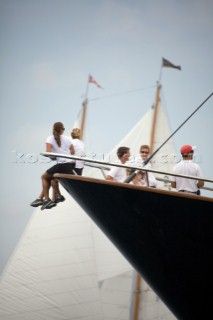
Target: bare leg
41	195
46	183
55	186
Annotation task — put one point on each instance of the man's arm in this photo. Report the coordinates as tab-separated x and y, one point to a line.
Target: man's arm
173	184
200	183
109	177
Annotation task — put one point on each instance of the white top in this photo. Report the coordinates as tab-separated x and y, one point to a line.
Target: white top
118	174
64	148
79	152
138	162
189	168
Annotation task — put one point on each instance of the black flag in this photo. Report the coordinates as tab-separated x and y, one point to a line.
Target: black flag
167	63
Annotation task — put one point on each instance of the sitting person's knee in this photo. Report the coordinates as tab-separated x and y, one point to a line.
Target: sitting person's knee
46	175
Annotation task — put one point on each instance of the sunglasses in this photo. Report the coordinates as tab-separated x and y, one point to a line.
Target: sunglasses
145	152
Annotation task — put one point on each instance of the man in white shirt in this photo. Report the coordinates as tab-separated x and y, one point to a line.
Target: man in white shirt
141	178
187	167
117	173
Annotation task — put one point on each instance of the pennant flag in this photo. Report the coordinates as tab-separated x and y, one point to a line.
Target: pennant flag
167	63
92	80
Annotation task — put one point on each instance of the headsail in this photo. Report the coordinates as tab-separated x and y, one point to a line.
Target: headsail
64	266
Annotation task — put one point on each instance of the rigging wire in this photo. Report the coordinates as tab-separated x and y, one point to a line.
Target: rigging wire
154	153
122	93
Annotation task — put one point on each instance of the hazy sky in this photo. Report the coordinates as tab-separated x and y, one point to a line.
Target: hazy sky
48	48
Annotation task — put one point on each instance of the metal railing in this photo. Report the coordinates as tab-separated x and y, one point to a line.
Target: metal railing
104	165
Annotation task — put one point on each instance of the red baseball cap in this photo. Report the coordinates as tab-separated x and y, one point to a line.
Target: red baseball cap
187	149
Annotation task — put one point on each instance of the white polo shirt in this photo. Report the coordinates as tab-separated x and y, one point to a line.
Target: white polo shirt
118	174
79	152
64	148
189	168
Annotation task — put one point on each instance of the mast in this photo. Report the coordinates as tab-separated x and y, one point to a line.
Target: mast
84	110
154	120
137	296
138	278
83	117
85	103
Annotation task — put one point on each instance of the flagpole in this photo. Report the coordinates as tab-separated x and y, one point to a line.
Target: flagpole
160	73
157	99
87	89
85	102
84	110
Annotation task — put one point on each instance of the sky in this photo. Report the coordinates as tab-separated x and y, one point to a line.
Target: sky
48	49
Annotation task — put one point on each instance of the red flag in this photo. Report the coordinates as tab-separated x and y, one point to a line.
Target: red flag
167	63
92	80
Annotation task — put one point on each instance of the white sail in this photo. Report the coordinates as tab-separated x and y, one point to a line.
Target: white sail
166	157
51	274
140	134
65	268
151	307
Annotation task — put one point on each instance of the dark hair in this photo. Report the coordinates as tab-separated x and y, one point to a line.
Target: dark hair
184	156
57	127
121	151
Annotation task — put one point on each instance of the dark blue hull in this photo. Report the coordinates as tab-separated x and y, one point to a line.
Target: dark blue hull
166	236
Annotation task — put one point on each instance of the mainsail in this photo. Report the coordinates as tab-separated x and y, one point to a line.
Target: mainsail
64	267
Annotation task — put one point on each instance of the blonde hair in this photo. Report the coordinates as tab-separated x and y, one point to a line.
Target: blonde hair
76	133
144	146
57	127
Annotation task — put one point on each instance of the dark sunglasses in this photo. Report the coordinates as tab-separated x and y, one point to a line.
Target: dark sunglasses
145	152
